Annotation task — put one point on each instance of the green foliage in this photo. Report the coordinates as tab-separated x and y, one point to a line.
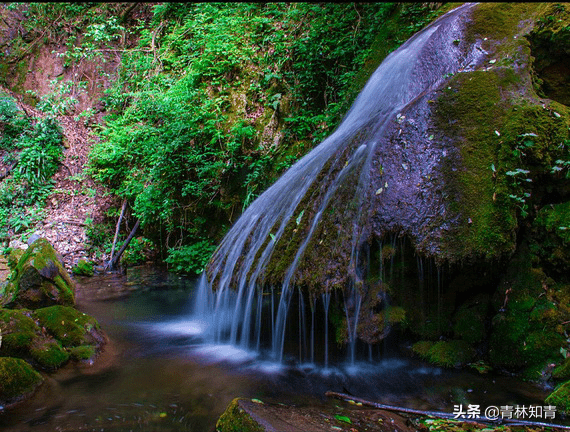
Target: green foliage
13	123
187	140
83	268
61	98
97	234
35	151
191	258
137	252
560	397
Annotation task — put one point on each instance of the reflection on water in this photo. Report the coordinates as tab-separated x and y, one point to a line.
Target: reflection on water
157	374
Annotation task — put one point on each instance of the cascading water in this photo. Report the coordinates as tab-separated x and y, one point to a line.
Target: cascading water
340	172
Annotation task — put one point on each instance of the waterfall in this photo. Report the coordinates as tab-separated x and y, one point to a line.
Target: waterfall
230	295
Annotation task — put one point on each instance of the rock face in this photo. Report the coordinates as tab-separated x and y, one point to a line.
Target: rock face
39	280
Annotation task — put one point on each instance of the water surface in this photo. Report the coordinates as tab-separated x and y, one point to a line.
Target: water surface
158	374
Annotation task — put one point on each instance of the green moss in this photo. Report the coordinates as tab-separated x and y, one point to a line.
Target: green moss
560	397
422	348
49	354
562	371
67	324
83	352
550	44
451	353
18	332
470	320
526	333
14	257
17	378
551	238
500	128
471	110
83	268
499	21
235	419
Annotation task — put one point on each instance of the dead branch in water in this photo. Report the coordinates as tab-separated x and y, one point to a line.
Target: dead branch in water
439	414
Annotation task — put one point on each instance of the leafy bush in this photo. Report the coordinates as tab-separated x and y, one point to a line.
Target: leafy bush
83	268
13	123
35	149
185	140
190	258
137	252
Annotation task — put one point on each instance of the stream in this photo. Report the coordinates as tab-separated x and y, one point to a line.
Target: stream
156	373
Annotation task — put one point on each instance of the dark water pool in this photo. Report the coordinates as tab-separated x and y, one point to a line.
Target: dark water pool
157	375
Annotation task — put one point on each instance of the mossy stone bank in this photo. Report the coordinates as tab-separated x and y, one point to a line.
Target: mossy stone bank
40	329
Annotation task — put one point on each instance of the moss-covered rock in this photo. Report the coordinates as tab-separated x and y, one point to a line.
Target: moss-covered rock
14	256
551	239
19	331
527	332
48	354
39	279
17	379
453	353
469	320
236	419
69	326
560	397
83	352
562	371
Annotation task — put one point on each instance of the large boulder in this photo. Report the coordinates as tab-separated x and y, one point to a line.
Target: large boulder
38	280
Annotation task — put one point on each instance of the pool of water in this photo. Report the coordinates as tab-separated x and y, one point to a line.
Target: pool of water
156	373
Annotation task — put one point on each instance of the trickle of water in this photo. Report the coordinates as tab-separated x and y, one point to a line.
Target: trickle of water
230	298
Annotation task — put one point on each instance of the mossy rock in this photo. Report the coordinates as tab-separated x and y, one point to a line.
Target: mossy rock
236	419
560	397
469	320
562	371
14	256
372	329
49	354
453	353
422	348
526	333
83	352
19	331
551	238
83	268
69	326
39	279
17	379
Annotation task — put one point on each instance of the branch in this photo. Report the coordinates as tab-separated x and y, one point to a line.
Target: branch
114	261
440	414
117	231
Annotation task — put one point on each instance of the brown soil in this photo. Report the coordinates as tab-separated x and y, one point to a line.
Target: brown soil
76	200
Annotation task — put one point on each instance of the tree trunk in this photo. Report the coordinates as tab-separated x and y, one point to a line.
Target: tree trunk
113	262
